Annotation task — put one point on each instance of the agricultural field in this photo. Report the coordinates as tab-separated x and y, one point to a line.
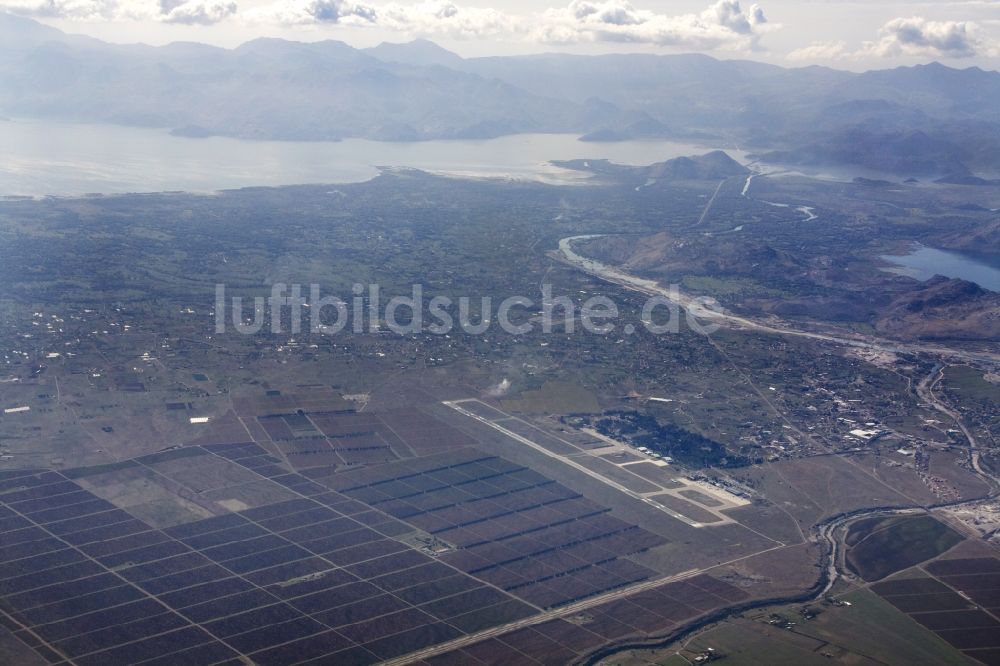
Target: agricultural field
170	492
243	549
880	547
957	597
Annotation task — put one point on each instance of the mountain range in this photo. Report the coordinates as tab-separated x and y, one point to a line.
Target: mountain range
928	120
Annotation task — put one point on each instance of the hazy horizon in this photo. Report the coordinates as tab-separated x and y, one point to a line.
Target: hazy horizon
842	35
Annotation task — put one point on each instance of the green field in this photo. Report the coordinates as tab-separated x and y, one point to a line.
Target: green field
892	544
970	383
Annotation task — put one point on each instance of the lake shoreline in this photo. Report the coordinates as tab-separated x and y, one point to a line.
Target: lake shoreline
923	262
48	158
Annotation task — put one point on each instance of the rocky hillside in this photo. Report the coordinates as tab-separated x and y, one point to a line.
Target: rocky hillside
943	308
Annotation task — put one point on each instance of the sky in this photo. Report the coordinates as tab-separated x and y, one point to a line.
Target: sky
854	35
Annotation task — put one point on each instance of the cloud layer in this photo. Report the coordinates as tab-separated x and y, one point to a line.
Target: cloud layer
725	24
820	51
190	12
447	18
303	12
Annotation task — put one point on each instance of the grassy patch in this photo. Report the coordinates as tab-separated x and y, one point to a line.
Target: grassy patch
555	398
870	630
874	628
970	383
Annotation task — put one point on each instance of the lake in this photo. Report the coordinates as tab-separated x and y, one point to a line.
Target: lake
925	262
67	159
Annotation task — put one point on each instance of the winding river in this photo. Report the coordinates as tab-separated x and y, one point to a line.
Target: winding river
826	532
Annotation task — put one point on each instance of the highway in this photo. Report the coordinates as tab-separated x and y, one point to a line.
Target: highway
925	389
825	533
700	310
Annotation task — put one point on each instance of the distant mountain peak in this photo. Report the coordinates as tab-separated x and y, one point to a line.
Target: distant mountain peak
713	165
928	121
421	52
22	32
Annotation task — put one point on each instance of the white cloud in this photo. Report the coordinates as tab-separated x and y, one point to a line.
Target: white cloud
723	25
300	12
83	10
919	36
201	12
190	12
914	36
435	17
819	51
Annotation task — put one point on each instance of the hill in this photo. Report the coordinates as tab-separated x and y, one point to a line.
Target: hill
715	165
943	308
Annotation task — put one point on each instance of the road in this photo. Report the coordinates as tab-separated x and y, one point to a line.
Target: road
562	611
700	309
711	201
580	606
925	390
826	533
